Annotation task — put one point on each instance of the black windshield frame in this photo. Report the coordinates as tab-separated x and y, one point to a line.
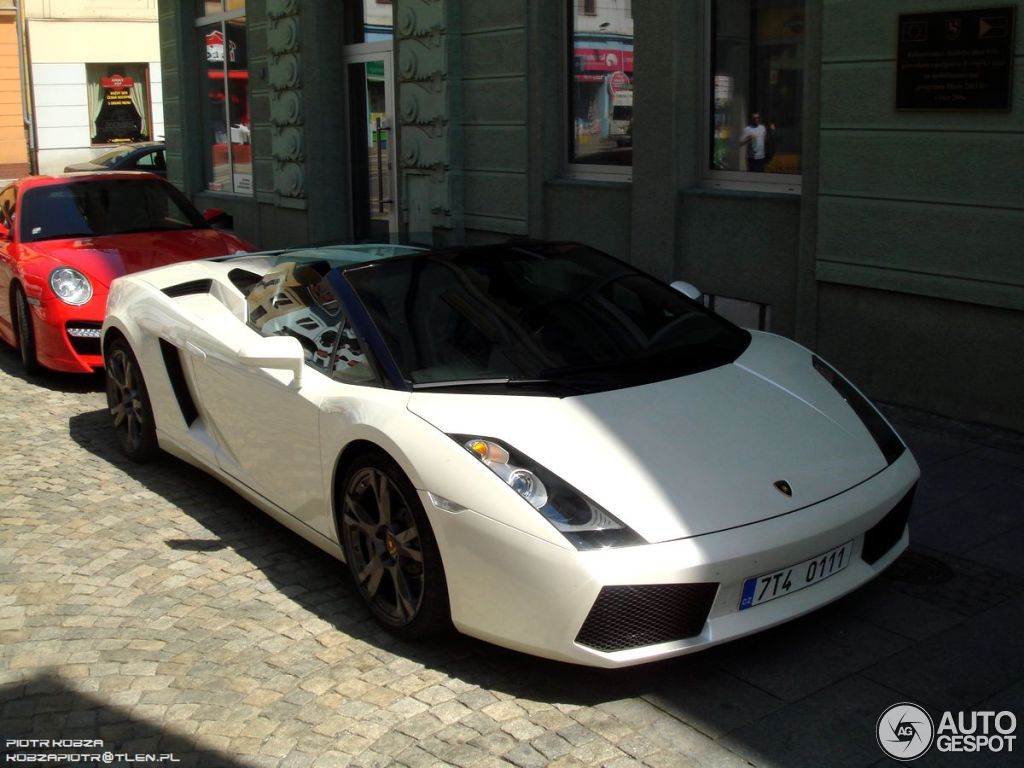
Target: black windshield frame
518	368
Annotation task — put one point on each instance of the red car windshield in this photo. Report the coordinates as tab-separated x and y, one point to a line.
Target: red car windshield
95	207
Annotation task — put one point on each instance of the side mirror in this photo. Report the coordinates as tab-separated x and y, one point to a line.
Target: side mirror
689	290
279	353
217	217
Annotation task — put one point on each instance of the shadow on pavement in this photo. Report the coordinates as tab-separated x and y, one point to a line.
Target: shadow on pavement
55	381
88	731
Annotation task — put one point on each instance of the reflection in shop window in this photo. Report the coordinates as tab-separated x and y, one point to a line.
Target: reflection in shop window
601	82
118	97
757	74
369	21
226	121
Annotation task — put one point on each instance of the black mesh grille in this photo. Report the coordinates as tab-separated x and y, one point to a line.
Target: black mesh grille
634	616
887	531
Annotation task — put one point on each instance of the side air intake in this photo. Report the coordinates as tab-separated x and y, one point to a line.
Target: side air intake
175	372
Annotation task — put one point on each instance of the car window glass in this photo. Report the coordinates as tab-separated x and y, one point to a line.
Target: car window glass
562	310
108	159
151	160
95	207
296	299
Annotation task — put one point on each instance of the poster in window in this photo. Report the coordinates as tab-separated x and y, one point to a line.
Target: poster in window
117	105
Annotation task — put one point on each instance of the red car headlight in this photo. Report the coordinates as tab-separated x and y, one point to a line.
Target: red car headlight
70	286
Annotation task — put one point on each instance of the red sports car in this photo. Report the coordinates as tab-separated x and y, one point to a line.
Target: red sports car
64	238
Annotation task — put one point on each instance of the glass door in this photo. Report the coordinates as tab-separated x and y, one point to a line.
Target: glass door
371	123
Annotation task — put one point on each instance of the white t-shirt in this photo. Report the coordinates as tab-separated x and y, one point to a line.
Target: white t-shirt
756	133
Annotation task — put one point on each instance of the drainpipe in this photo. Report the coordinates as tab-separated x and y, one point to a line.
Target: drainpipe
25	80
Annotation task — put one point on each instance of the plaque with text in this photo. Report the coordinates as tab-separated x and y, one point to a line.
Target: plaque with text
955	60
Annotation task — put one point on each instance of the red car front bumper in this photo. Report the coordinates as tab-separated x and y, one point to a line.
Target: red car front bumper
68	337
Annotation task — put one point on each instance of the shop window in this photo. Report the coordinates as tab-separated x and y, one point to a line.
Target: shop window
118	96
226	133
756	90
600	88
369	21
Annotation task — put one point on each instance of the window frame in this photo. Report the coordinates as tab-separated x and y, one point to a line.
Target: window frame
147	100
580	171
742	181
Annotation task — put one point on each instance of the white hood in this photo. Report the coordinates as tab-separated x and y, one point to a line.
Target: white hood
688	456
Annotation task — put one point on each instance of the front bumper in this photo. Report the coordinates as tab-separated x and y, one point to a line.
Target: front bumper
68	337
523	593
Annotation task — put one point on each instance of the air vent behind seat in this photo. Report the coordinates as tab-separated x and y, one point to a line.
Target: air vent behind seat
190	288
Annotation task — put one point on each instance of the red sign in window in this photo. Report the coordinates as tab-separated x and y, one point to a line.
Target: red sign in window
117	82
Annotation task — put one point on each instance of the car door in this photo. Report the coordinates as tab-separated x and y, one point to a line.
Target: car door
8	265
266	428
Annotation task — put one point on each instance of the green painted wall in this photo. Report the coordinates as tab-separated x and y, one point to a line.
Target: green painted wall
919	226
494	126
900	260
742	246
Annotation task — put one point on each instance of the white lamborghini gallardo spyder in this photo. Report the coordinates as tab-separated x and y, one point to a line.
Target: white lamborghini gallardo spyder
533	442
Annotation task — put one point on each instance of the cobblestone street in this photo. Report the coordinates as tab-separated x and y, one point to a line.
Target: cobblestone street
153	609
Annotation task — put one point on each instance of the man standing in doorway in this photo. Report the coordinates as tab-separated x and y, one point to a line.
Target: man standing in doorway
755	138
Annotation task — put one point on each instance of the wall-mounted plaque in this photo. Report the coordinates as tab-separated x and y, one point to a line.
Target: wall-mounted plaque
955	60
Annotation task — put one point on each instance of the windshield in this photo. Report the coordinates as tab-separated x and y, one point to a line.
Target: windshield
93	207
109	158
558	314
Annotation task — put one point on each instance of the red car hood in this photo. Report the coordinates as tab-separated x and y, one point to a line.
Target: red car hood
104	258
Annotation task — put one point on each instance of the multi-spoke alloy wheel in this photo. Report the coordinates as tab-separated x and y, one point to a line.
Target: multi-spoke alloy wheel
391	550
129	403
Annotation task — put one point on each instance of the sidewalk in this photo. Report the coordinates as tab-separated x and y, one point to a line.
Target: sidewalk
154	610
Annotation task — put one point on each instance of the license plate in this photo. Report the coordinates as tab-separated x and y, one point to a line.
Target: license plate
793	578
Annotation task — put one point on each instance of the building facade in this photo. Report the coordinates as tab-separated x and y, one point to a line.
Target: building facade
92	77
847	174
13	147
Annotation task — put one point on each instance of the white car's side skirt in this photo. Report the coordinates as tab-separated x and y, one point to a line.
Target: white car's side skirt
171	446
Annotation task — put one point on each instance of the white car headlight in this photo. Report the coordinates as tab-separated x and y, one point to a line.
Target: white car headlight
70	286
582	521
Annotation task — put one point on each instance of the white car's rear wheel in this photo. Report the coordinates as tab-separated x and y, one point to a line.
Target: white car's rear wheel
390	549
129	403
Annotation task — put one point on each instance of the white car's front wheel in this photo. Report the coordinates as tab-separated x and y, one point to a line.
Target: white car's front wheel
391	550
128	401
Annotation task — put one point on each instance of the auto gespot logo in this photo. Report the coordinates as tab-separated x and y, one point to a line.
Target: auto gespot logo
906	731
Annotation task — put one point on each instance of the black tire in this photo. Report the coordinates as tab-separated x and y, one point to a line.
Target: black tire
25	333
128	400
390	549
